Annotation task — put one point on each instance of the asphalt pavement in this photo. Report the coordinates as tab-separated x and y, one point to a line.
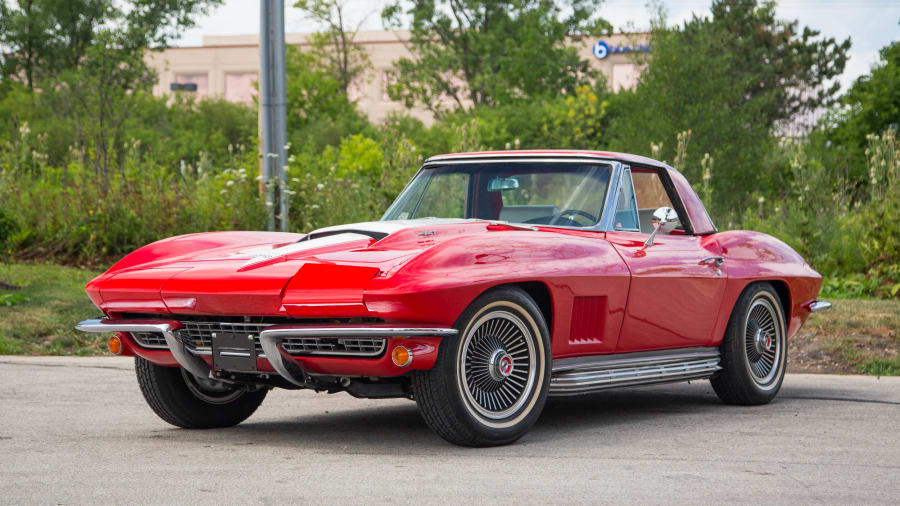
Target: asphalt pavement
76	430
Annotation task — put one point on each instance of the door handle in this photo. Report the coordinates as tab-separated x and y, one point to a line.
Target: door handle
716	261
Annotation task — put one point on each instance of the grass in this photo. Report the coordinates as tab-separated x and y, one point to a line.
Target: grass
38	317
880	366
856	336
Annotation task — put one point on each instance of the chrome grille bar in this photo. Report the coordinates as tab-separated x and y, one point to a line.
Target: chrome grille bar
194	365
363	341
356	346
274	340
153	340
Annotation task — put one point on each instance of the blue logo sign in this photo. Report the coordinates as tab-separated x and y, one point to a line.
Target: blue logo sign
602	49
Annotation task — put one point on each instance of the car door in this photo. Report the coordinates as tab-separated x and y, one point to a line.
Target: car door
677	283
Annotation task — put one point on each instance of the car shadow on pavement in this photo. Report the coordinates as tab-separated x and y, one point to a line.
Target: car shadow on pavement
374	429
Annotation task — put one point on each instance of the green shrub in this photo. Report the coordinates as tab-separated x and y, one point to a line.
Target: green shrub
353	183
852	236
72	214
12	299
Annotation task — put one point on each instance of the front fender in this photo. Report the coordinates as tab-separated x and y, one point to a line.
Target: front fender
438	284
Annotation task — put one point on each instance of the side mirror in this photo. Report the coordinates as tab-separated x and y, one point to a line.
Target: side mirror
666	219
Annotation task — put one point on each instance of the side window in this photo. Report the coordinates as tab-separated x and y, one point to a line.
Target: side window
626	208
650	195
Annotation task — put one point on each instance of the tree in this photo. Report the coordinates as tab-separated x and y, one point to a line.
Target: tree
730	79
40	39
98	98
487	52
872	105
23	40
335	46
318	112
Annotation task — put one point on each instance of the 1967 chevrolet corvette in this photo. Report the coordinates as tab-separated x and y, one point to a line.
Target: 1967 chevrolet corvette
494	280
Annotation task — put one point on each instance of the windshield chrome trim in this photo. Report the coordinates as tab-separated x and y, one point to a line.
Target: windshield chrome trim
475	161
616	168
555	155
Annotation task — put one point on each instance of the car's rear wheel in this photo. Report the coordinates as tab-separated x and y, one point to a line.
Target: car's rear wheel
186	401
490	383
754	349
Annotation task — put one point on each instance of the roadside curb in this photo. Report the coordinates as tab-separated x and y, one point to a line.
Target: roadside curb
122	363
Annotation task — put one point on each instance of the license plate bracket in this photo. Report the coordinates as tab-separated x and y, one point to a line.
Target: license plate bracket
233	351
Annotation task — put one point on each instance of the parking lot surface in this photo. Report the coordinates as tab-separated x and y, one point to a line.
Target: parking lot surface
77	430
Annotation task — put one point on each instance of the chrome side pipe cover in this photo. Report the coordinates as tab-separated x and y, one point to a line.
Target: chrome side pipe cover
593	373
271	338
185	359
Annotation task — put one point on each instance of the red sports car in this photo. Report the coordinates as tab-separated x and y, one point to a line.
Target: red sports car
494	280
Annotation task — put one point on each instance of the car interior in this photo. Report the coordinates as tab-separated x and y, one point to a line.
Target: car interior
641	193
537	194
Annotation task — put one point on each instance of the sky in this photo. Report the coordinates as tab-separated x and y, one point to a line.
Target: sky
870	24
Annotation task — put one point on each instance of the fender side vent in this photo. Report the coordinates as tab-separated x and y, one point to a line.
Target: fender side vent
588	319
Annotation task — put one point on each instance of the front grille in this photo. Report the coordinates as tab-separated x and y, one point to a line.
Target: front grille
198	330
358	346
198	335
150	339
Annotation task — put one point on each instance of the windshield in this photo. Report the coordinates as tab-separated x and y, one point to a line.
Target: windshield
545	193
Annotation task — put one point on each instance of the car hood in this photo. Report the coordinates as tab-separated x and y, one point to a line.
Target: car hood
260	273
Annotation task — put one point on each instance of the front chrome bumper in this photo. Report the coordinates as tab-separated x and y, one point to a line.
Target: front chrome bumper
270	340
194	365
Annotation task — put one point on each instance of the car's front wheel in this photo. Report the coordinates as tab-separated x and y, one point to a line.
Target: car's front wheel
754	350
490	383
183	400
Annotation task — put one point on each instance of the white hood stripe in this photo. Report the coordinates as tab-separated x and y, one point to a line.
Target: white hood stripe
303	245
329	236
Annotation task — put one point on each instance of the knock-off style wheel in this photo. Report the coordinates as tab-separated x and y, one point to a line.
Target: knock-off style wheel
754	350
497	366
763	341
490	383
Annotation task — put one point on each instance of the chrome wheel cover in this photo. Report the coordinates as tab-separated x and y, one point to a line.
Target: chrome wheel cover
498	365
210	391
764	341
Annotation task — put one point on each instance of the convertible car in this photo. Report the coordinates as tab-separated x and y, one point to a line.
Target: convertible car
495	280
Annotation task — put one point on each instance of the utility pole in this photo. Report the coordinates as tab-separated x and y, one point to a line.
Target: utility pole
272	100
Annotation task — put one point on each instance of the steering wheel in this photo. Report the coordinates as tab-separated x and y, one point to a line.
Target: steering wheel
575	212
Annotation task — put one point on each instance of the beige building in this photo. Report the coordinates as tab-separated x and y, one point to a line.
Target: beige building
227	66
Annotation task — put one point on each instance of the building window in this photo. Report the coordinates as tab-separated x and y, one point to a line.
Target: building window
239	86
201	80
357	89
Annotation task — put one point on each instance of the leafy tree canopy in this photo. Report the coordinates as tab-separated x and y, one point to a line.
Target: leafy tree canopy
318	110
730	79
872	104
42	38
487	52
334	46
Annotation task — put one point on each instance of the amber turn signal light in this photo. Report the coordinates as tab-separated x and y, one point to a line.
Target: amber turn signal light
401	356
115	345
